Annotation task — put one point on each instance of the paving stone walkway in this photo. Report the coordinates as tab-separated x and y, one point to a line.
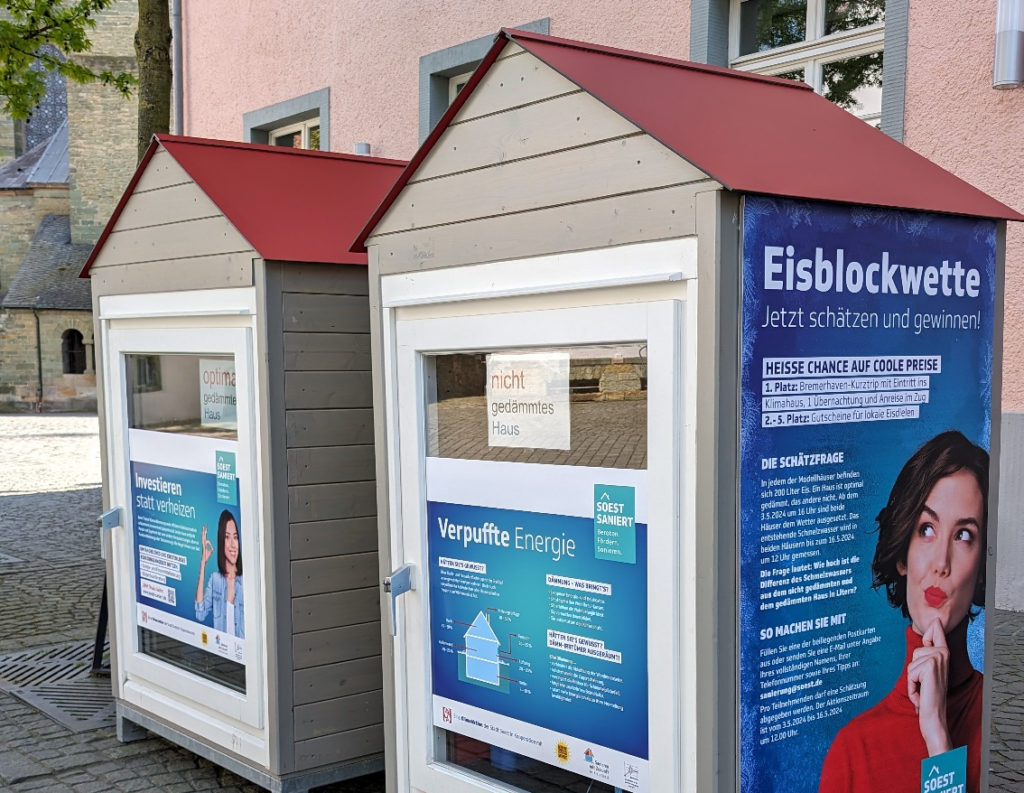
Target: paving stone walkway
50	583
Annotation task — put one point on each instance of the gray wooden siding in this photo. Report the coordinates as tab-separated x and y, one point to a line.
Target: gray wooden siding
170	236
336	675
533	165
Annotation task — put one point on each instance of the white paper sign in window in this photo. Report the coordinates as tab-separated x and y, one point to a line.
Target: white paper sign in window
217	392
528	400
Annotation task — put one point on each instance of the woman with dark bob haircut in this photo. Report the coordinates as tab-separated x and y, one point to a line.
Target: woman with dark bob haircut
930	557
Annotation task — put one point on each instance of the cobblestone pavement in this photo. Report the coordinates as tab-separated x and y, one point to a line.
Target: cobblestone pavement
50	585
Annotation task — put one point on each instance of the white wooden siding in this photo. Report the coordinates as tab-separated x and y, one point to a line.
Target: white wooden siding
531	165
170	235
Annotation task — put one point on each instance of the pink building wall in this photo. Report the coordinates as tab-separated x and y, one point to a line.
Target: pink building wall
955	118
241	56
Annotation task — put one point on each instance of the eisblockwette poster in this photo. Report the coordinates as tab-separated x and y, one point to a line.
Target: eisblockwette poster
865	425
188	540
538	604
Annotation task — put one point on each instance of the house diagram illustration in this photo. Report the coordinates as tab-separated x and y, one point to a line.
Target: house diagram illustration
482	651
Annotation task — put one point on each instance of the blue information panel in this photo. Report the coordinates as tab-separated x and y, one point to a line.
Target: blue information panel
538	636
865	424
188	540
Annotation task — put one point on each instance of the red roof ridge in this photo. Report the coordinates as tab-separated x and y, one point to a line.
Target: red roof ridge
328	197
662	60
792	153
234	144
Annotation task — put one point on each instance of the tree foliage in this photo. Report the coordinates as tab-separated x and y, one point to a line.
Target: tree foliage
47	33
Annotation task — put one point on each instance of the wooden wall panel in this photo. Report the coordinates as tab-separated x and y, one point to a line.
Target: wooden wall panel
640	217
334	573
331	389
203	237
512	82
333	576
331	501
612	167
343	746
329	427
200	272
321	464
323	647
327	351
573	120
337	715
336	610
333	537
174	204
306	313
331	681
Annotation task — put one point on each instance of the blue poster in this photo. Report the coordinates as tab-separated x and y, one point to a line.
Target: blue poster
538	640
865	425
187	541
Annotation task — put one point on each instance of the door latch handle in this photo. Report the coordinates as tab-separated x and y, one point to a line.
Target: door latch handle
110	519
397	584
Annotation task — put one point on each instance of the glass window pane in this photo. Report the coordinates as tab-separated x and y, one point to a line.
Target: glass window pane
291	140
583	406
183	395
188	394
855	84
314	138
607	402
199	662
851	14
516	770
767	24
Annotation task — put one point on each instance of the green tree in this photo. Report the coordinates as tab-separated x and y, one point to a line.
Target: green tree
47	33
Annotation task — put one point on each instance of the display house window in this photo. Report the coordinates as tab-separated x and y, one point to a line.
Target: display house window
835	46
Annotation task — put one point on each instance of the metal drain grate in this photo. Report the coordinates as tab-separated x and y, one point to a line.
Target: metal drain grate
79	705
57	681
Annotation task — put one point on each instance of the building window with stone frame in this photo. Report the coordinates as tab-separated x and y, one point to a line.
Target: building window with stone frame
302	122
443	74
72	349
303	135
835	46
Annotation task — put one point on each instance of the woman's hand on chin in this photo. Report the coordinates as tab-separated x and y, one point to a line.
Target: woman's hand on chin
927	683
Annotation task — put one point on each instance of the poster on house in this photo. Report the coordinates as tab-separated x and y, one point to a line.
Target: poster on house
528	400
865	429
187	540
538	640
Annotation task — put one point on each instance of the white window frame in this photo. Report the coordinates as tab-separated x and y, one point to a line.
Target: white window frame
303	128
456	83
213	321
812	53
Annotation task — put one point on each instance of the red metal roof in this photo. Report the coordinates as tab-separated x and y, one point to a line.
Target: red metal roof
289	204
751	133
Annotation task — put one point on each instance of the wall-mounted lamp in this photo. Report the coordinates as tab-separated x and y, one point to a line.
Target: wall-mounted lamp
1009	60
363	149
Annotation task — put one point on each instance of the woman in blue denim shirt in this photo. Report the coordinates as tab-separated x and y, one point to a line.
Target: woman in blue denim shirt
224	591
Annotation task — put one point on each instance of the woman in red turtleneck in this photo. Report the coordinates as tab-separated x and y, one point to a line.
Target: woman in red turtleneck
930	558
